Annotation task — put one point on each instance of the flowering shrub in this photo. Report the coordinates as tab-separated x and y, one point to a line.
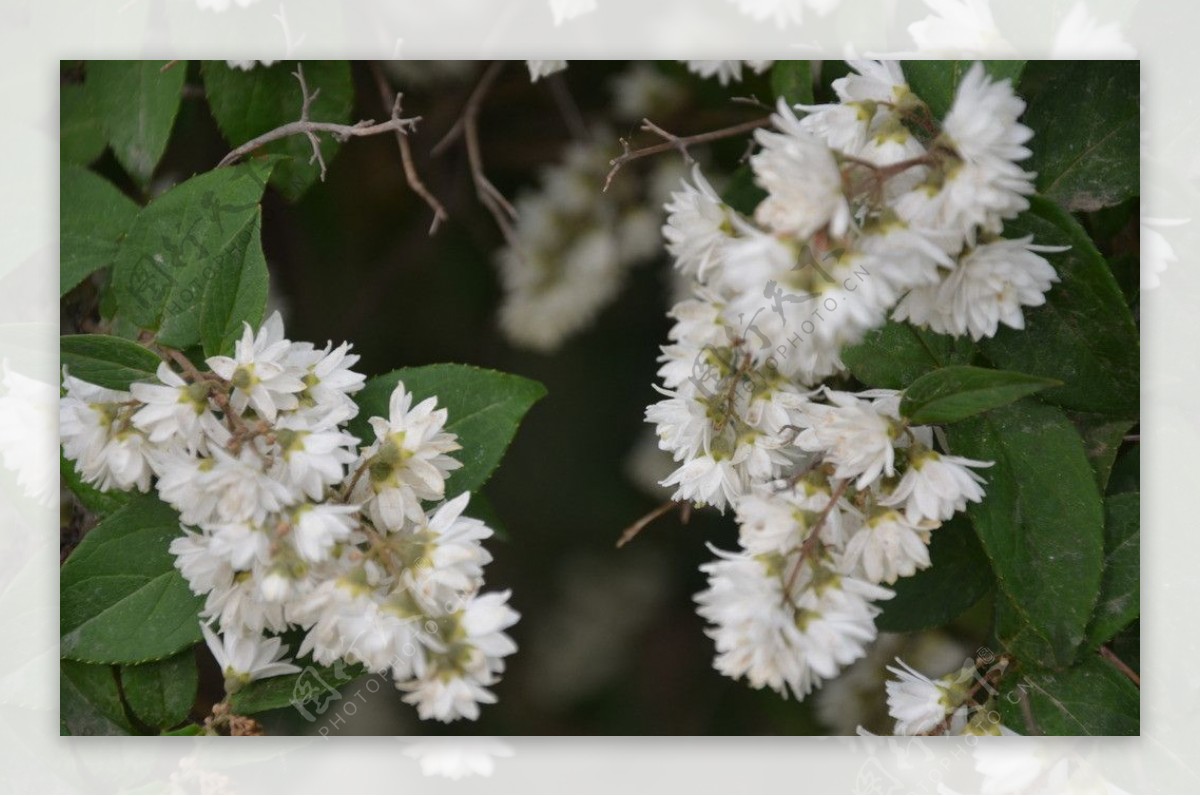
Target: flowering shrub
897	364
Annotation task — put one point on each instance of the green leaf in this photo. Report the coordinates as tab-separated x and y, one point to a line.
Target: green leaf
1127	472
136	103
1086	143
95	501
237	292
936	81
1041	525
960	391
80	137
93	217
247	104
897	354
743	193
1102	438
1084	335
122	600
310	691
1093	698
485	407
1119	602
793	81
189	729
108	361
161	693
89	701
173	249
959	576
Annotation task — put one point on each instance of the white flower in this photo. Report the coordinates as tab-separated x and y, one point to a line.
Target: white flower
990	285
1081	36
957	26
707	479
540	69
887	547
241	544
316	528
983	185
872	81
852	434
935	486
446	551
312	460
97	434
328	381
27	421
779	521
643	90
408	463
697	225
801	177
726	71
172	409
234	488
258	370
201	567
245	66
917	703
460	668
245	657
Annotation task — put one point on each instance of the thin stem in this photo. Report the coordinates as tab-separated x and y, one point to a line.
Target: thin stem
678	143
406	156
362	468
636	528
814	537
1123	667
491	198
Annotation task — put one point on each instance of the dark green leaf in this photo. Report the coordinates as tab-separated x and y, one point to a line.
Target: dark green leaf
122	600
1127	472
89	701
93	217
793	81
951	394
1084	334
742	193
171	252
485	407
959	576
936	81
1041	525
190	729
136	103
1119	602
895	355
162	692
108	361
81	138
237	291
247	104
1085	119
1102	438
95	501
1093	698
311	691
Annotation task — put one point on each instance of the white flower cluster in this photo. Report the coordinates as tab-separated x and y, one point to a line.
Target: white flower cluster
573	246
292	524
872	207
946	706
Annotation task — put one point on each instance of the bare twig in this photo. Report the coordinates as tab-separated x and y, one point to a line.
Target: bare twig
406	157
636	528
678	143
1031	725
814	537
309	129
491	198
557	83
1123	667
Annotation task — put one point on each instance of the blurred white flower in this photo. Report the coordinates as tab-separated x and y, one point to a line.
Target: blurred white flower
564	10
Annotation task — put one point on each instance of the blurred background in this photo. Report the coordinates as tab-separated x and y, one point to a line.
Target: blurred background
609	639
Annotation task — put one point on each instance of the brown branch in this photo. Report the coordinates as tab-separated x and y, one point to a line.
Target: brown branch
636	528
678	143
1123	667
406	156
814	537
309	129
491	198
